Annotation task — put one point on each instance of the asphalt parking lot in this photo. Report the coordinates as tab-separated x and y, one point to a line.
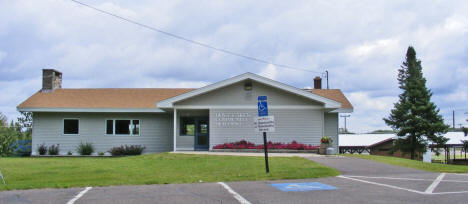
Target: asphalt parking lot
362	181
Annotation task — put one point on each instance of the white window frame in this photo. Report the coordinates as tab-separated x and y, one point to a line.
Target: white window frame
113	127
63	126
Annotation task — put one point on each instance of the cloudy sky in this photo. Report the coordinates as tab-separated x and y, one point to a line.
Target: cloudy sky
360	43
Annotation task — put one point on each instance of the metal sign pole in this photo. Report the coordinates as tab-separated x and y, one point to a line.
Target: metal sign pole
1	176
264	123
265	148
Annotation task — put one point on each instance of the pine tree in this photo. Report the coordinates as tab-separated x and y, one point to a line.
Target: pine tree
415	118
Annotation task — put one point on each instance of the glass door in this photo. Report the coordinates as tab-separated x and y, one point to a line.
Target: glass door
201	134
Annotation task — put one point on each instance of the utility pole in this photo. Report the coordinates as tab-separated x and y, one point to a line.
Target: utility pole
326	72
345	116
453	119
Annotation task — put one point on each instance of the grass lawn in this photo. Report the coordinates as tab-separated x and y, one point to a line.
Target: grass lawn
63	172
442	156
413	164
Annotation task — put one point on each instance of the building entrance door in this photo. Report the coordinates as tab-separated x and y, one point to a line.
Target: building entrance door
202	136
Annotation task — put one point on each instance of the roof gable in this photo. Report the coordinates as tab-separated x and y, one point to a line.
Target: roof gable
328	103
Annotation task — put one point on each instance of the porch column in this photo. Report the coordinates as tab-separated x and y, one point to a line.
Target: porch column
175	129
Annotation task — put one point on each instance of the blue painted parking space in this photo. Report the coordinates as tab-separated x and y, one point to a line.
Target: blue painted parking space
310	186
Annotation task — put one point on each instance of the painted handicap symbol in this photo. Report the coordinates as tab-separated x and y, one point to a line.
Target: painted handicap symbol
301	187
310	186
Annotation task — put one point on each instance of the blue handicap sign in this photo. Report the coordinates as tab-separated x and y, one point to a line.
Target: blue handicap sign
311	186
262	106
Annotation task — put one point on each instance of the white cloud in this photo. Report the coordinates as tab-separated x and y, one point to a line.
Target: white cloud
377	47
369	111
269	72
361	44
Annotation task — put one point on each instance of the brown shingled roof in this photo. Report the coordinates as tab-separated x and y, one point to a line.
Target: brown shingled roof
333	94
100	98
130	98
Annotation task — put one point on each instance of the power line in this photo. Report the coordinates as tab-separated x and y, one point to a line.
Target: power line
193	41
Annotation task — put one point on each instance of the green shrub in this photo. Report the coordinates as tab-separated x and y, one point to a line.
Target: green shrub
85	148
54	150
42	149
117	151
101	153
134	149
126	150
69	153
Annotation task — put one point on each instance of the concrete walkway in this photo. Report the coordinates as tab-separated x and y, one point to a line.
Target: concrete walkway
255	154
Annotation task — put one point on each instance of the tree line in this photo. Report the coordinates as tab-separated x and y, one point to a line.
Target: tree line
11	132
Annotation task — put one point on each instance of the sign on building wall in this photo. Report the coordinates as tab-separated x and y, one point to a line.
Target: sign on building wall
232	120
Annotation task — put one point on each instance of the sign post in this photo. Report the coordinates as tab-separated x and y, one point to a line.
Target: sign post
1	176
265	148
264	123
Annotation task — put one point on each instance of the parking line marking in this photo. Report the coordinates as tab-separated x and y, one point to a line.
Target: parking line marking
408	179
392	178
442	193
381	184
434	184
79	195
238	197
459	174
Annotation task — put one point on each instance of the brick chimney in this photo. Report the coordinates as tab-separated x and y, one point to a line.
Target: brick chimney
317	82
51	80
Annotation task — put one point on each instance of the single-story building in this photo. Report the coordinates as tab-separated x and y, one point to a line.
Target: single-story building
382	144
172	119
360	143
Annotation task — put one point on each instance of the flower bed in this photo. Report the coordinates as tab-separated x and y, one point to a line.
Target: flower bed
270	145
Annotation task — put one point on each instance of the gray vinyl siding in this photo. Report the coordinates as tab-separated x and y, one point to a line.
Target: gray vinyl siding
236	95
297	118
302	125
155	131
331	128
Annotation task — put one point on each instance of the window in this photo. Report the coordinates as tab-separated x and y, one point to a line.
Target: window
203	128
123	127
71	126
136	127
187	127
110	127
